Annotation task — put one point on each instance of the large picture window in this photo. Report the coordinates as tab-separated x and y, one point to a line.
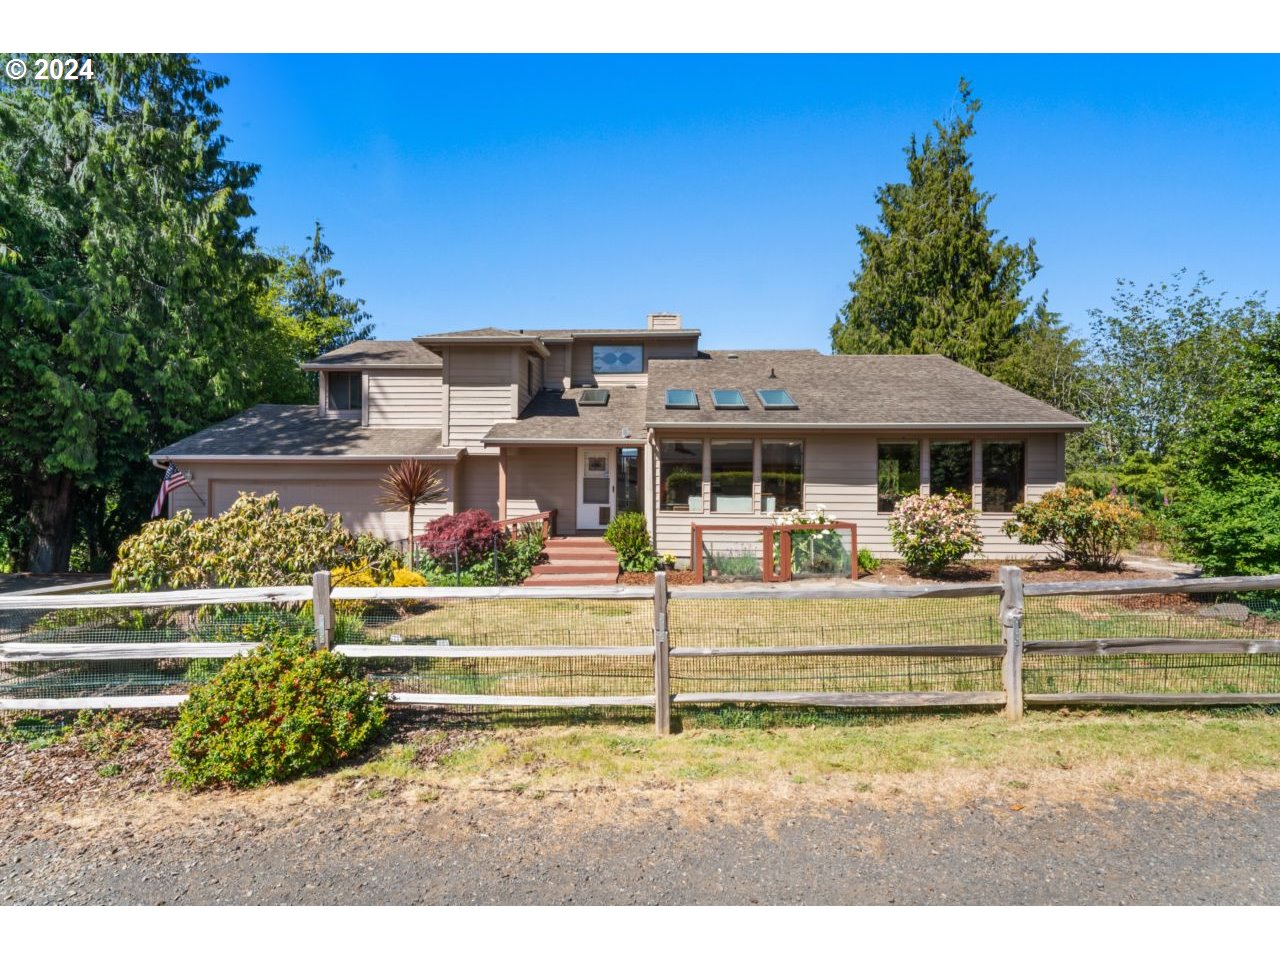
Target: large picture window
951	467
344	391
610	359
680	475
781	475
897	474
731	474
1003	476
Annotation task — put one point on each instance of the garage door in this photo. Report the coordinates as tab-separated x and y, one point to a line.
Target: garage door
354	499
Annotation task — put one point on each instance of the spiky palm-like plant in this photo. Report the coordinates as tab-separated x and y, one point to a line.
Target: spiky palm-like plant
407	484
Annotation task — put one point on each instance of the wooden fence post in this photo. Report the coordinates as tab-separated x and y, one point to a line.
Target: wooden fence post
1011	602
323	608
661	657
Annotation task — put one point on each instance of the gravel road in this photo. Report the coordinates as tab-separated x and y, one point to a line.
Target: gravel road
364	847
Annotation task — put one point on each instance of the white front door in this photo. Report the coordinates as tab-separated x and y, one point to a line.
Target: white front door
596	487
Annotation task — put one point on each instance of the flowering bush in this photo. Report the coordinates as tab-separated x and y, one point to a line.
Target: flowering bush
465	538
283	711
1078	525
253	544
933	532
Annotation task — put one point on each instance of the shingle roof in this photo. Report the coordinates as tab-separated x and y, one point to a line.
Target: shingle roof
611	332
554	416
478	333
369	353
882	390
280	430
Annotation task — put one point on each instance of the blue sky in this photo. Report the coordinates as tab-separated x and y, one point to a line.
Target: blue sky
526	191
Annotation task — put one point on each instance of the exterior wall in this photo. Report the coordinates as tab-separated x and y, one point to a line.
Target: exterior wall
529	363
478	392
556	373
659	349
403	399
347	488
840	475
478	484
544	478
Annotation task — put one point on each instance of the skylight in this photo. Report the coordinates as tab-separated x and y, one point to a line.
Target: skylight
682	400
776	400
593	398
728	400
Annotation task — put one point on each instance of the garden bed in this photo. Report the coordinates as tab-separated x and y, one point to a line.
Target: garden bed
984	571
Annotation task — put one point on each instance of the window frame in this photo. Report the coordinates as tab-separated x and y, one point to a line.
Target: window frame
663	463
1022	490
919	472
739	404
709	478
351	377
597	371
765	441
671	405
767	405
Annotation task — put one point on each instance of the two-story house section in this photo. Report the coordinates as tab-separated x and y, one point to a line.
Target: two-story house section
592	422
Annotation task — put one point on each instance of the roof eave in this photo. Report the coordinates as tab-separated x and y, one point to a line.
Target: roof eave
792	425
161	457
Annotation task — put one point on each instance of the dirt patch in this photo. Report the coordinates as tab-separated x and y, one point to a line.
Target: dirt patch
675	578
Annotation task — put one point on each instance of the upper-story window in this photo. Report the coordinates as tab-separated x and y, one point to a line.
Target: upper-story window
345	391
617	359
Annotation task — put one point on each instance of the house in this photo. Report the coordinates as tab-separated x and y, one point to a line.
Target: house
593	422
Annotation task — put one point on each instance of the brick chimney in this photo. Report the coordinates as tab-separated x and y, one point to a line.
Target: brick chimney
665	321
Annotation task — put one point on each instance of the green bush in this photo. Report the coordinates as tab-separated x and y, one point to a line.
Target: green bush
281	712
1233	529
628	534
933	532
1078	526
253	544
868	562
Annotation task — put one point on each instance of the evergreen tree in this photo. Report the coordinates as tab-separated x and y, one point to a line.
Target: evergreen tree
129	287
933	277
310	292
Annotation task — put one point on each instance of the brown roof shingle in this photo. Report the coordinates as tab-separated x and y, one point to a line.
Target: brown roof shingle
855	391
553	416
373	353
280	430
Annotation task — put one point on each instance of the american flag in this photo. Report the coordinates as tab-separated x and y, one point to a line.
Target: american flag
173	479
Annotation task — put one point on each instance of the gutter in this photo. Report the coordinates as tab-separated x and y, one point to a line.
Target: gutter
790	425
163	458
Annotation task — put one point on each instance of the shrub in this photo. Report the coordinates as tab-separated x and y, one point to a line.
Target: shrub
1233	528
932	532
628	534
463	538
283	711
1078	526
521	555
253	544
408	578
868	562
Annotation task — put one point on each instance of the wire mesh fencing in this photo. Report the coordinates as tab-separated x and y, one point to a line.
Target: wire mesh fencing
798	644
122	652
1152	643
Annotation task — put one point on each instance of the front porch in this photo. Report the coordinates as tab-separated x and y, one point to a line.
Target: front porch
587	485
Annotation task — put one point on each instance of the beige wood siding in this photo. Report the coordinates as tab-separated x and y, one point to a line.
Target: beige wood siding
530	363
479	393
347	488
478	489
404	399
840	475
676	347
544	478
556	371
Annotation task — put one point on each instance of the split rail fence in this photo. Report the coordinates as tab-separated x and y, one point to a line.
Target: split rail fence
1006	644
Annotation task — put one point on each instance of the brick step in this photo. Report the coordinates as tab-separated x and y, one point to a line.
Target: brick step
571	580
579	550
609	566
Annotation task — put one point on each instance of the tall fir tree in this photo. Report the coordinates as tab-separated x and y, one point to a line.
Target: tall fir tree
128	291
933	276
